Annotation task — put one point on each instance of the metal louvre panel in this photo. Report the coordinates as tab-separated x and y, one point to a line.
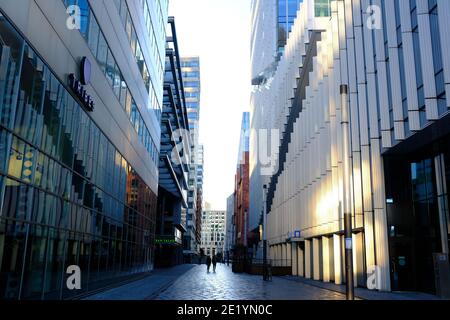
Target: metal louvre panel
426	53
444	26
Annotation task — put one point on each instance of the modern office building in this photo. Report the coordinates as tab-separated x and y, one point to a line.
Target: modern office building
241	188
392	59
272	21
174	160
190	67
213	232
80	101
200	173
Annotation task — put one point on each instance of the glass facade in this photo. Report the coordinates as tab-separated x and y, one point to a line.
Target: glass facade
67	196
99	47
190	68
136	49
287	12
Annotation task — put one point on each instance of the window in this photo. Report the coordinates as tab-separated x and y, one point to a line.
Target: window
110	68
93	34
322	8
102	53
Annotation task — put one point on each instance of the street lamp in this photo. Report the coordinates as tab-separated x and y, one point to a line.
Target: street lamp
265	275
346	194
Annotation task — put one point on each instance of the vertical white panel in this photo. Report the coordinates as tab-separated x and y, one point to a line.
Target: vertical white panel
410	71
308	259
444	26
288	254
426	54
338	256
316	258
326	259
394	67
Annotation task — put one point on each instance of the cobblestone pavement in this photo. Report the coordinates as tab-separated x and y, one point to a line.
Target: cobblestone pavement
197	284
192	282
145	288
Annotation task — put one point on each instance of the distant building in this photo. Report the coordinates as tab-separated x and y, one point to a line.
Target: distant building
241	191
213	232
229	230
198	216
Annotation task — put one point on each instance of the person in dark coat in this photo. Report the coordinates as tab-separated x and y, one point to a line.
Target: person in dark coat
214	262
208	263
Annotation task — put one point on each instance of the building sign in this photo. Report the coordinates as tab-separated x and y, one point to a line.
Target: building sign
168	239
296	234
77	85
165	241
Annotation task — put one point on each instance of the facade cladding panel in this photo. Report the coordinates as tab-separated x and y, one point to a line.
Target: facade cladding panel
397	74
77	187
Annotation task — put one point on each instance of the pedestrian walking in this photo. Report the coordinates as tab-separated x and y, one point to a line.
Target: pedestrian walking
214	262
208	263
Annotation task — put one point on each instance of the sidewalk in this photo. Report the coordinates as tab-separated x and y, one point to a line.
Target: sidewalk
146	288
365	294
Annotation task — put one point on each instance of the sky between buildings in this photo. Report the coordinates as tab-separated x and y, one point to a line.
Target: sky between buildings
218	31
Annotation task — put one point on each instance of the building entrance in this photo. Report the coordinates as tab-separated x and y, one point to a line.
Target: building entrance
417	208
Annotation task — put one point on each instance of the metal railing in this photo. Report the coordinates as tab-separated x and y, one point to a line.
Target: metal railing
272	262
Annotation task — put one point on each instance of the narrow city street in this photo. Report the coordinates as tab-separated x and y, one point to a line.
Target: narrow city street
308	140
192	282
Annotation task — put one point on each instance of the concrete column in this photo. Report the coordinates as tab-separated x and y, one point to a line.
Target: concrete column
301	270
326	259
278	254
288	254
337	259
358	259
283	254
308	259
316	259
275	254
294	259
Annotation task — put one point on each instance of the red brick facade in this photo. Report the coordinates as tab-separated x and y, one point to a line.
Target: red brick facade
241	200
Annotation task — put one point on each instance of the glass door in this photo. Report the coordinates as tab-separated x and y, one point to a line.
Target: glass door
427	229
447	180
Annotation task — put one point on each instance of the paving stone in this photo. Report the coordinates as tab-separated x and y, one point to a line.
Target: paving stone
192	282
